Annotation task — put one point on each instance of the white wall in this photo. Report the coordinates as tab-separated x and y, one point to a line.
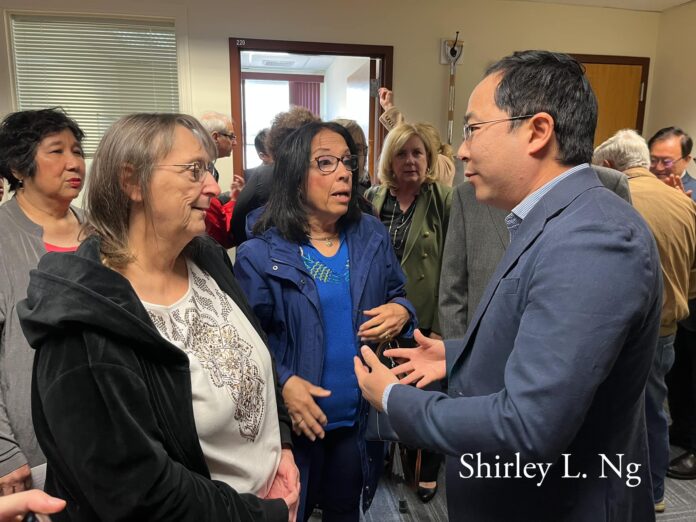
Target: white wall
490	29
336	86
675	72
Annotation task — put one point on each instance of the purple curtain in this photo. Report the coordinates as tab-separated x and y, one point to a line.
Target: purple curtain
306	94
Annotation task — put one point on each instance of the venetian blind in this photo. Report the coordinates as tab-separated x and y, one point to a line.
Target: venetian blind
97	70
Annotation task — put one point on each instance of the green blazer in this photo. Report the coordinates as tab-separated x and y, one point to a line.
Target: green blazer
425	243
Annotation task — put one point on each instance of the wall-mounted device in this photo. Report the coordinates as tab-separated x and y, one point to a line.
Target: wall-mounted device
451	51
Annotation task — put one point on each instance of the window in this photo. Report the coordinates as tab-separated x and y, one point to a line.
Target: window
97	70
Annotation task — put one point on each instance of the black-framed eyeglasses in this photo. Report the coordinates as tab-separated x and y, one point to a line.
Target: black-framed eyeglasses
469	128
230	135
197	169
666	162
328	164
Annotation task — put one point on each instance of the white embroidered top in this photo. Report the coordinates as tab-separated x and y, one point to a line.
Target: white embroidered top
234	403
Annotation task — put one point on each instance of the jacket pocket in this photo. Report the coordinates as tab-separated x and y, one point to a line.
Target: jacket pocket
508	285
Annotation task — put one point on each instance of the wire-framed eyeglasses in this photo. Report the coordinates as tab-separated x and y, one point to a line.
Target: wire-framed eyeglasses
666	162
197	169
328	164
469	128
230	135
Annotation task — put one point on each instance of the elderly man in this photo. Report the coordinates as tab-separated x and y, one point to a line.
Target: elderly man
218	217
546	387
221	129
672	219
670	154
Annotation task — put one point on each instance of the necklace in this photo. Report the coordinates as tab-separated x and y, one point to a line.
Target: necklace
328	240
404	219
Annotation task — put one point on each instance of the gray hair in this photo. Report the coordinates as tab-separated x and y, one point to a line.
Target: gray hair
625	149
214	121
131	148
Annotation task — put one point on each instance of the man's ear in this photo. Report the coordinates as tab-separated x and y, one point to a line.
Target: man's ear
130	184
541	136
607	163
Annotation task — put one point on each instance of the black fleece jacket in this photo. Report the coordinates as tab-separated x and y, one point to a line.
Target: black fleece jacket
111	398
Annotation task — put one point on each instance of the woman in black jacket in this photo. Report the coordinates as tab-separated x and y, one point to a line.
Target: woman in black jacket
154	394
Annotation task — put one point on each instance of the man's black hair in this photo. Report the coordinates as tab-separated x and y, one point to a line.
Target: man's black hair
555	83
668	132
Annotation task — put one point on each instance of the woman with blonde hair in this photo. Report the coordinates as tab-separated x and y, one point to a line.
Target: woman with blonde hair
415	208
391	117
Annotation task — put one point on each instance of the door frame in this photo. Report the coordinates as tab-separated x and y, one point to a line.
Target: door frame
625	60
385	53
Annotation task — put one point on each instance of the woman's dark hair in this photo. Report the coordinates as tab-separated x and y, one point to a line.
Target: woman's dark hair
287	205
20	135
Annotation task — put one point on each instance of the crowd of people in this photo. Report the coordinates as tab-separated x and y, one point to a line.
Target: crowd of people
538	313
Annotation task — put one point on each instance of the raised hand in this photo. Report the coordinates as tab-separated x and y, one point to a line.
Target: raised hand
386	98
423	364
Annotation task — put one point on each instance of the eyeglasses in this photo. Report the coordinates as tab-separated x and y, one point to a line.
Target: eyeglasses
666	162
198	169
328	164
230	135
469	128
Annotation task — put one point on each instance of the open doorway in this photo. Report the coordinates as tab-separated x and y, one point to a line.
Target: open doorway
332	80
329	86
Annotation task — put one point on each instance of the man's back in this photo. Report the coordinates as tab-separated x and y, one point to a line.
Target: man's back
672	219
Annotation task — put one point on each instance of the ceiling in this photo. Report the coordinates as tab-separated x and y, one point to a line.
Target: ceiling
635	5
285	62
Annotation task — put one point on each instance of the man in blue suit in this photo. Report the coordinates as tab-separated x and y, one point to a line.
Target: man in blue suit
545	414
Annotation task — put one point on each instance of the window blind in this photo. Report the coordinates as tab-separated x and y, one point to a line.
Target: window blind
97	70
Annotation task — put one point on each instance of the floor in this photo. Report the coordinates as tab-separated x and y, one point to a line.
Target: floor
680	496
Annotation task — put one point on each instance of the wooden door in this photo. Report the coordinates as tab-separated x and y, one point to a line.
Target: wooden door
620	85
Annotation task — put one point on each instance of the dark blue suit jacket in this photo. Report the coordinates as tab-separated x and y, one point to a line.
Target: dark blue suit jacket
554	361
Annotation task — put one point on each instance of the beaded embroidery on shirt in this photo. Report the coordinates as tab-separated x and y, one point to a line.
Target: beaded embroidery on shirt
216	343
320	272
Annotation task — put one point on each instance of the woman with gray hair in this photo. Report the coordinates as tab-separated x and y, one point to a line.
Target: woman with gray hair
154	394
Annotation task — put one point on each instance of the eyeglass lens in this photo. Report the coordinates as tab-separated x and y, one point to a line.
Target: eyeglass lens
329	164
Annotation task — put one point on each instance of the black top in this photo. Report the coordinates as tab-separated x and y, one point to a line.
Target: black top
398	223
111	398
254	195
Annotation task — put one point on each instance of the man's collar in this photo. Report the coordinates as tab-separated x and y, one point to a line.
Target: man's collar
527	204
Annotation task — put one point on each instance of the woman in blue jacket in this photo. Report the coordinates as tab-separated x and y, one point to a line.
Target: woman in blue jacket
322	277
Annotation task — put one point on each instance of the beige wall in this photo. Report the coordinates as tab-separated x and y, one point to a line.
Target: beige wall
675	72
489	28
